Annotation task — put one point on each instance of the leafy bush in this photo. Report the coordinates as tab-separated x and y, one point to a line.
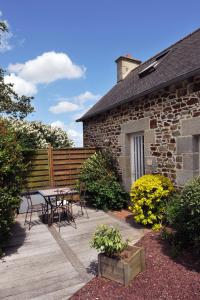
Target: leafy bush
100	179
13	170
148	195
183	213
108	240
172	208
168	234
8	204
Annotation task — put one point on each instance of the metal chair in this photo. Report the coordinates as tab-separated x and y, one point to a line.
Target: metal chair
55	209
33	208
79	197
60	207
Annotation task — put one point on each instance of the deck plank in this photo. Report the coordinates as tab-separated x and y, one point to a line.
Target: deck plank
42	263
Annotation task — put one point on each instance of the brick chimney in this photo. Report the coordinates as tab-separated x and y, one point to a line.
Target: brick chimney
125	64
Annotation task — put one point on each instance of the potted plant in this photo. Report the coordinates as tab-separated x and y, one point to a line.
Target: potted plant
117	260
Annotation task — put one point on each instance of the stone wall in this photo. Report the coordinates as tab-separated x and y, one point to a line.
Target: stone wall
170	120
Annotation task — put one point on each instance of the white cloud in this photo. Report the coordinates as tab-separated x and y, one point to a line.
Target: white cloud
15	68
1	13
75	132
21	86
82	98
48	67
63	106
73	103
58	124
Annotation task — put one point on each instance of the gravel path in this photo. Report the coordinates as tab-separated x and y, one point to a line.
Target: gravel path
164	277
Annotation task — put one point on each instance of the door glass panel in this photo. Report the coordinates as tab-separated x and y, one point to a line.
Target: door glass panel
137	156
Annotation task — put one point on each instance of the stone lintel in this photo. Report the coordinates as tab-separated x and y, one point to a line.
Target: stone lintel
191	161
135	126
191	126
186	144
182	176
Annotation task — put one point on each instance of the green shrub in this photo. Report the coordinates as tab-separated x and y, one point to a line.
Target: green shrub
8	204
169	235
148	196
108	240
172	208
102	185
183	213
13	171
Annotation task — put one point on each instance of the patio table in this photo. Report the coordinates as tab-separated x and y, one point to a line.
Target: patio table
48	194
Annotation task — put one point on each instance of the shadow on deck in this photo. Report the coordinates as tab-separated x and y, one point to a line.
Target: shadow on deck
18	235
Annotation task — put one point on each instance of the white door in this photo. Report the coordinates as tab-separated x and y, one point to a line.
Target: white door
137	156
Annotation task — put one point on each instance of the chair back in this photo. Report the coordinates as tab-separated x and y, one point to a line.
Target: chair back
61	198
28	199
82	188
82	185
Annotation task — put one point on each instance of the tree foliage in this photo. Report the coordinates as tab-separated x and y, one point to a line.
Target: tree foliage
13	170
183	214
11	103
3	27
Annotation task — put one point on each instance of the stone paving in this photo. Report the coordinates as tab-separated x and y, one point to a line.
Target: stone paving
45	264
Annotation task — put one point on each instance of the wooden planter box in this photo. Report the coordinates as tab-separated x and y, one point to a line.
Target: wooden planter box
119	269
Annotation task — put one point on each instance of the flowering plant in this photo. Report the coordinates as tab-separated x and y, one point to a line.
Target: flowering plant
147	196
38	135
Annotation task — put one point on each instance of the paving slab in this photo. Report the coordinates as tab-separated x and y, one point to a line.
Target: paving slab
79	239
35	266
43	263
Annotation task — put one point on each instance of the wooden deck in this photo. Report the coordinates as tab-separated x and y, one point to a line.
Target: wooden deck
43	264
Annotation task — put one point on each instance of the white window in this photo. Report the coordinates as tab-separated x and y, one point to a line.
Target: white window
137	156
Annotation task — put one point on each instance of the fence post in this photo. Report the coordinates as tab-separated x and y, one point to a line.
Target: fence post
50	157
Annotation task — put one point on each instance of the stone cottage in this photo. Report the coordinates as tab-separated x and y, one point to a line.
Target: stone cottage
150	119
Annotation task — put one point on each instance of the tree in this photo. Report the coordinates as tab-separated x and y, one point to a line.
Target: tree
11	103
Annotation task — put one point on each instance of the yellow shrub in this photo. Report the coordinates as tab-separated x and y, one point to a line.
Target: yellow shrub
147	196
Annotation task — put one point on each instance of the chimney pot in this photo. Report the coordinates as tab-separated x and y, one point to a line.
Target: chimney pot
125	64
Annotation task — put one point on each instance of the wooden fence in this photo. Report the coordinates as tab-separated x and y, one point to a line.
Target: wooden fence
57	167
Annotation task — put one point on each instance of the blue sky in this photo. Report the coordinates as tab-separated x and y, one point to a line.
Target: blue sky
63	51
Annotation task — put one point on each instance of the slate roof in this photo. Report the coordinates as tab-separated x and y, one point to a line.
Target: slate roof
182	61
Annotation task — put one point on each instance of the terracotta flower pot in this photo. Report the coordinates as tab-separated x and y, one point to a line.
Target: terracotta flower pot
123	267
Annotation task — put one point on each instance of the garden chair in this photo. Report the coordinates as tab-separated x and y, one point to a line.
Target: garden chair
31	208
78	197
62	206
